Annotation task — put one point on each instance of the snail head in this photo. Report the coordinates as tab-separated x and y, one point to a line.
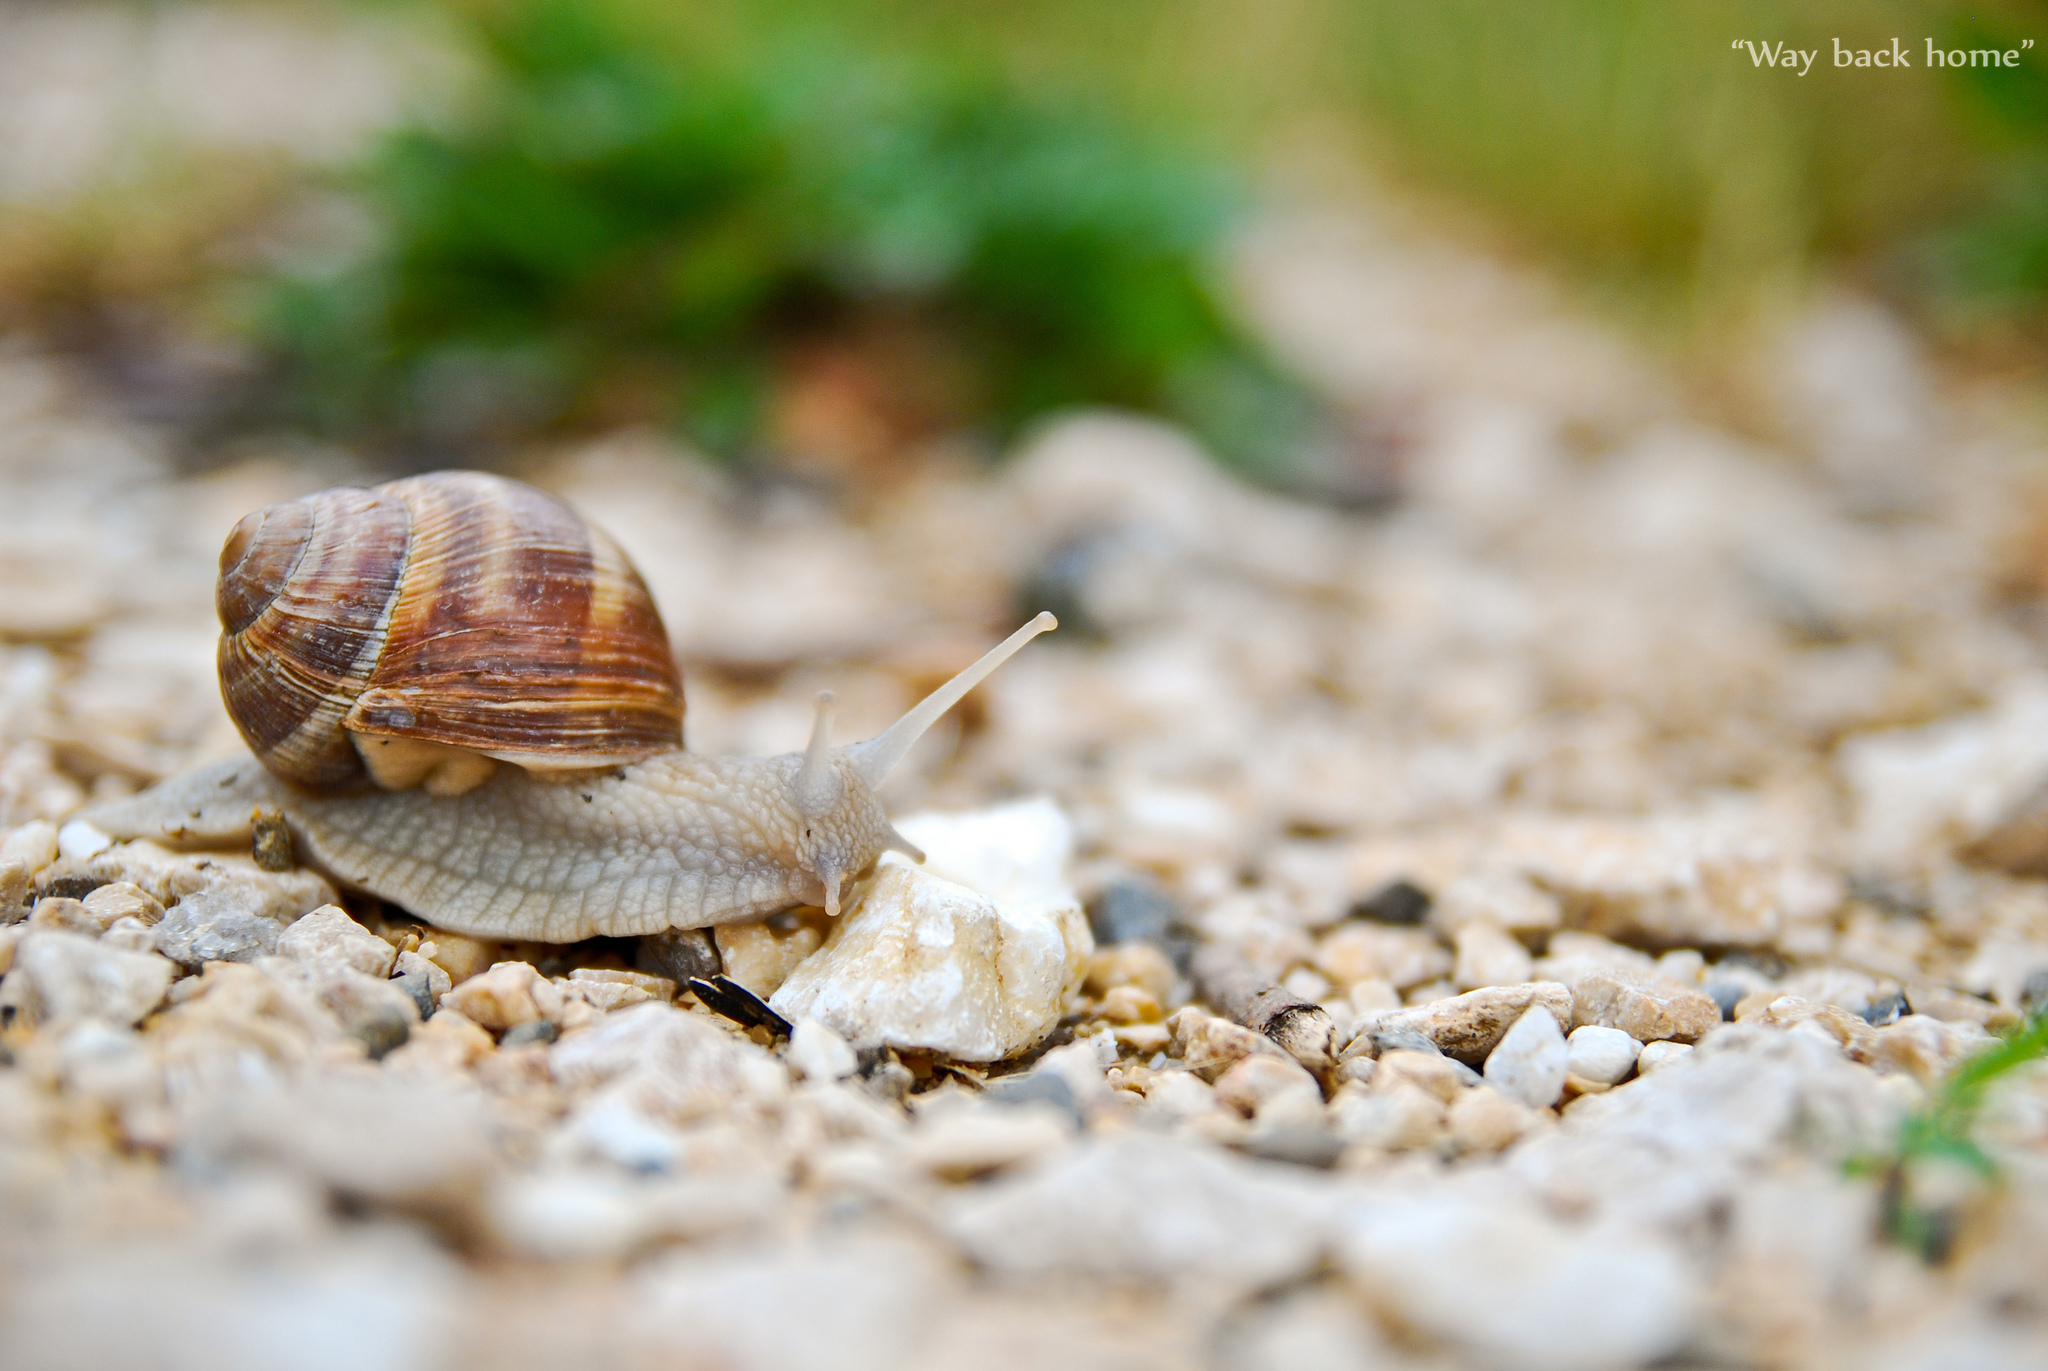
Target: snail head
833	788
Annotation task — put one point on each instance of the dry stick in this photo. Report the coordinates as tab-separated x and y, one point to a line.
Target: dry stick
1242	995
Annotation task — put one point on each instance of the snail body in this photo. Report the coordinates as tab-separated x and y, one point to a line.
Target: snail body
603	825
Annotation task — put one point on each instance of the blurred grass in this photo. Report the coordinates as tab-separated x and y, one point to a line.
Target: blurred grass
794	222
783	236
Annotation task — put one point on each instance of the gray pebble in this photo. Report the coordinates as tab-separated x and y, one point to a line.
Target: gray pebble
1883	1010
1130	911
207	927
416	984
1726	995
532	1031
1396	902
1036	1087
679	954
381	1030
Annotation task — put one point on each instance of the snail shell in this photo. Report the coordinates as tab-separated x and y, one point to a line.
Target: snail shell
419	630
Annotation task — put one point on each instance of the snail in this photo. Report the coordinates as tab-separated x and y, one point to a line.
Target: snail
460	698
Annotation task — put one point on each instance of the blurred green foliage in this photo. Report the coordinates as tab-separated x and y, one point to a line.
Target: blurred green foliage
1942	1134
1994	265
633	220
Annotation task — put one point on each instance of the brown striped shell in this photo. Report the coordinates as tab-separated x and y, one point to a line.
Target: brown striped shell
457	611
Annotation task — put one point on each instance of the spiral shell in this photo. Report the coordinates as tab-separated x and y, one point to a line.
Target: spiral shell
457	610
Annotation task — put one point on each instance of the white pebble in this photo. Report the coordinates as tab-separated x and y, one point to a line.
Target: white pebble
34	845
1657	1056
1530	1061
973	955
1601	1054
819	1053
79	841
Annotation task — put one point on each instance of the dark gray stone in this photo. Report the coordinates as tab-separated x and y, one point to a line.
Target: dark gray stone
1396	902
417	985
532	1031
679	954
1726	995
1131	911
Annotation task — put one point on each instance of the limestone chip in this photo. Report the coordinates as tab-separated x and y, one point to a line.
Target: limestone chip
1601	1055
509	994
58	976
1530	1062
974	955
1402	957
1647	1008
1468	1026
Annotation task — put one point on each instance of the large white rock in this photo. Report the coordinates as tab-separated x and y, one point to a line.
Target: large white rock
974	954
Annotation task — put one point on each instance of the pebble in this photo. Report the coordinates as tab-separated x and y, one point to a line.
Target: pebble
1261	1085
328	937
79	841
14	888
1402	957
1398	1118
1658	1055
819	1053
1180	1094
118	900
1144	1205
1468	1026
1646	1008
1441	1076
1211	1045
204	928
65	915
605	990
1530	1062
1482	1121
424	974
1669	881
58	977
967	1143
1505	900
1130	911
760	956
1132	964
678	955
1603	1055
1488	956
34	845
509	994
979	973
1506	1286
1398	902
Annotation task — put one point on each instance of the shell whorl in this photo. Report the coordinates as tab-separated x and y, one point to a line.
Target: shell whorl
456	609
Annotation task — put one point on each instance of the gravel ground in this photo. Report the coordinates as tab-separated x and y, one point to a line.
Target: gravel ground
1650	814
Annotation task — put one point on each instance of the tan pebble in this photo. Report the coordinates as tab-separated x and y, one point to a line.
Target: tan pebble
1372	996
1659	1055
971	1143
34	845
1256	1082
1400	956
1950	1006
1487	955
1181	1094
328	937
509	994
448	1042
1646	1008
1440	1076
1143	1038
760	957
1502	899
124	900
1575	1086
1210	1046
459	956
1397	1120
1925	1048
1131	964
1128	1004
1482	1120
66	915
1471	1025
14	883
1842	1029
